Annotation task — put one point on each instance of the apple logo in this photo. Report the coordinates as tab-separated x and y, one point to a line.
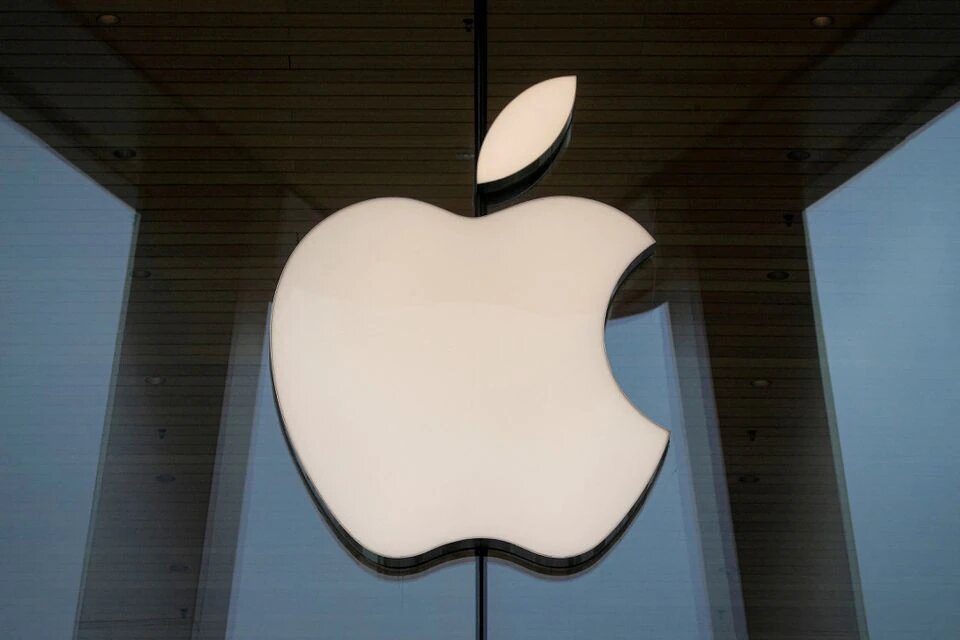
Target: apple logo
443	381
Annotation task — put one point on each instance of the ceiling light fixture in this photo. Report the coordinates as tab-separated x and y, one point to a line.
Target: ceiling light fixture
822	22
155	380
778	275
798	155
124	153
108	19
166	478
760	383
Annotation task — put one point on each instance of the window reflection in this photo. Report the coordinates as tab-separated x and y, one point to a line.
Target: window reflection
65	246
884	253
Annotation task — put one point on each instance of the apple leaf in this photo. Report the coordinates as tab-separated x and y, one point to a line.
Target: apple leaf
528	129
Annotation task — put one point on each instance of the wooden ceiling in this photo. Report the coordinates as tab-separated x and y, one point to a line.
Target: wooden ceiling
713	123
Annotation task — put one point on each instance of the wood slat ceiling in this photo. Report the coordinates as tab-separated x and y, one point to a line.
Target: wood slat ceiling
252	120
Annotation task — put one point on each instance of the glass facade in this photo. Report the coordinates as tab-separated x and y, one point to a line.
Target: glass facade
65	245
881	249
793	329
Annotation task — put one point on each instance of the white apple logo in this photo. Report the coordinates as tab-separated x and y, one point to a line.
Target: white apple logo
443	381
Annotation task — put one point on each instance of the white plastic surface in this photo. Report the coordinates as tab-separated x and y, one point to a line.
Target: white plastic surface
526	128
444	378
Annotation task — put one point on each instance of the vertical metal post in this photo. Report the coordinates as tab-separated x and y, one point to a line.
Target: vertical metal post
479	95
479	209
482	595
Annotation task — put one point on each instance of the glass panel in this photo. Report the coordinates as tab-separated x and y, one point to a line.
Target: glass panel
884	252
146	489
64	253
675	571
233	128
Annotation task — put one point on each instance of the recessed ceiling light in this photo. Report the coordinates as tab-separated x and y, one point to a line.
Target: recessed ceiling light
822	21
760	383
798	155
179	568
124	153
155	380
749	479
108	19
166	478
141	273
778	275
465	155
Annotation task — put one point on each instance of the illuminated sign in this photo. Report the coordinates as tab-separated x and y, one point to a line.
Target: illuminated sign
443	380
